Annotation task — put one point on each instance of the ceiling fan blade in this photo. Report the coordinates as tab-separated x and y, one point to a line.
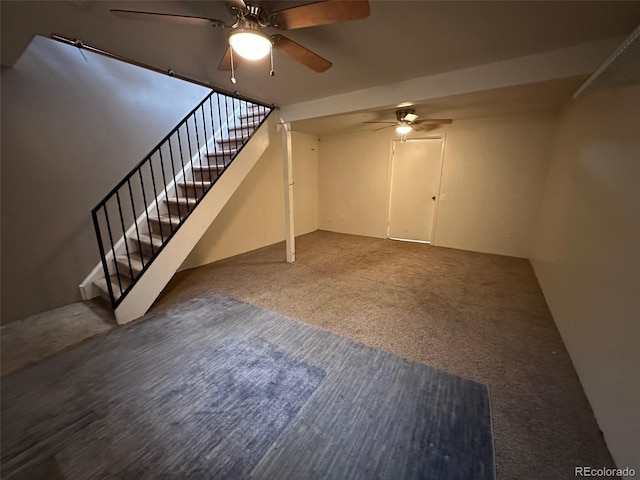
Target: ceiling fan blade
322	13
432	121
416	127
391	123
388	126
167	17
225	61
301	54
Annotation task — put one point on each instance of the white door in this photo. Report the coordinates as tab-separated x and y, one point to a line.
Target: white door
415	181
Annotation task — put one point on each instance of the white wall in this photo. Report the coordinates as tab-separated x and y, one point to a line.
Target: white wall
254	216
586	256
493	174
71	129
353	176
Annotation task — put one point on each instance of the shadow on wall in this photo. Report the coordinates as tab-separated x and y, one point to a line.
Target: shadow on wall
73	124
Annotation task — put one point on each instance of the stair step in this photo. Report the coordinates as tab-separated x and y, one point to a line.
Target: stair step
253	112
146	242
246	126
101	284
195	189
199	184
207	173
181	201
137	261
166	225
207	168
240	138
221	157
231	143
180	206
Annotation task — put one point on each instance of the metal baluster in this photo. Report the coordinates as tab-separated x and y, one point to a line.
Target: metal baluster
195	195
103	257
146	212
175	183
135	219
184	177
195	123
227	119
233	101
124	234
206	142
224	161
113	250
166	195
213	136
182	162
155	196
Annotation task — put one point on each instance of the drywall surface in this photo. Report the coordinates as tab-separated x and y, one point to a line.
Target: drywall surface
492	181
493	174
353	180
562	63
254	216
586	255
73	124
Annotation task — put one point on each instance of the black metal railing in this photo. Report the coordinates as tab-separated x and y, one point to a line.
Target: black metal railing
159	193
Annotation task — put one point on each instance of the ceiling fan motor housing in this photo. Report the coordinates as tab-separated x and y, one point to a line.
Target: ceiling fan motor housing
402	115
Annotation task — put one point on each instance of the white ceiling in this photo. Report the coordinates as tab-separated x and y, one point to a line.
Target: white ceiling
533	97
400	40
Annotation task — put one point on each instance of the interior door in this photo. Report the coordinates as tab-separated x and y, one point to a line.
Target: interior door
415	183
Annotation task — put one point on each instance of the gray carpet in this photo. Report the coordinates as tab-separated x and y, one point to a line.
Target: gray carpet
217	388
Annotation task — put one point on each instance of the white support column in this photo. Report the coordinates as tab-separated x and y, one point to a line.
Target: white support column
287	157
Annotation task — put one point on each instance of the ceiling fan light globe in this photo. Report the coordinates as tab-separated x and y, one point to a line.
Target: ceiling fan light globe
403	129
251	45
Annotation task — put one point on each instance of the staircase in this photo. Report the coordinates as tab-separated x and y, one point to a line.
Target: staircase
167	187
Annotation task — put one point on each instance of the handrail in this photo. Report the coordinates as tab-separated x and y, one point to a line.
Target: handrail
217	128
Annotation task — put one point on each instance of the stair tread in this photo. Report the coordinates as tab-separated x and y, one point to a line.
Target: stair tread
164	218
246	124
136	262
233	138
205	168
255	114
224	151
101	283
135	256
197	183
181	200
155	239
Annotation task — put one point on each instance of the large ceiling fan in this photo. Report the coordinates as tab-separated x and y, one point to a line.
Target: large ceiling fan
247	39
407	120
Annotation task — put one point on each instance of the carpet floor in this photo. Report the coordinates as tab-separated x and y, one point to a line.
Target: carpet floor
476	315
217	388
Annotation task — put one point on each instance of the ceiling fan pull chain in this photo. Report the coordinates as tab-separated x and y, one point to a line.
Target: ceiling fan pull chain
233	74
271	72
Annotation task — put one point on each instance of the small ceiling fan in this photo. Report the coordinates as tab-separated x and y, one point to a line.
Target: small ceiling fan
407	120
246	36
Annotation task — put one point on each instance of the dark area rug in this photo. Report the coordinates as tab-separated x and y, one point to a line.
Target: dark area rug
217	388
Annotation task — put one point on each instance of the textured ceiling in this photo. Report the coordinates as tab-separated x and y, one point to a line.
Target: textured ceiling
399	41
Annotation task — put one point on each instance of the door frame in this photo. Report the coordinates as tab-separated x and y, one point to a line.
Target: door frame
440	136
